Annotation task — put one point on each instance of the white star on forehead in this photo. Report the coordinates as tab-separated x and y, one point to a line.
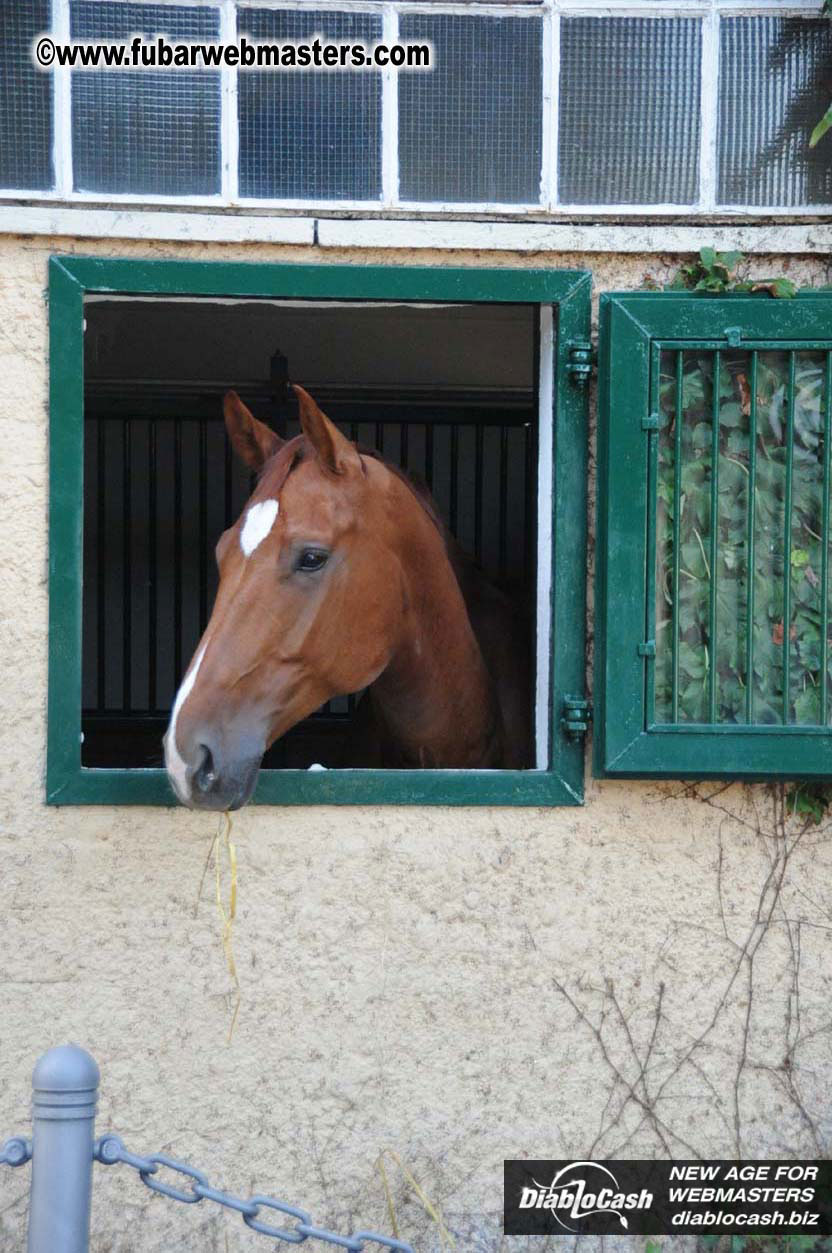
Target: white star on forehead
259	521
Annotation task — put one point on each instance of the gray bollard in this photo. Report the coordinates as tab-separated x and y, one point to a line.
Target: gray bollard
64	1095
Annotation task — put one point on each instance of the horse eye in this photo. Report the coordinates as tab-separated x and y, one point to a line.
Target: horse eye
311	559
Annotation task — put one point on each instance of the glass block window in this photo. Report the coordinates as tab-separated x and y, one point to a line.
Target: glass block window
145	132
775	84
470	128
313	134
528	104
629	110
25	99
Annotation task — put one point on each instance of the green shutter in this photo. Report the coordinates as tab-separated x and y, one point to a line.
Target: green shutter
568	292
712	598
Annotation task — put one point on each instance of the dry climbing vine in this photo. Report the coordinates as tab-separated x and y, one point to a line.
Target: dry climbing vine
659	1073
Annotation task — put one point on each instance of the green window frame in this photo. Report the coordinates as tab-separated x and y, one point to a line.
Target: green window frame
649	606
567	292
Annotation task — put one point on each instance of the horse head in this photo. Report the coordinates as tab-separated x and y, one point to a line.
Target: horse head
307	605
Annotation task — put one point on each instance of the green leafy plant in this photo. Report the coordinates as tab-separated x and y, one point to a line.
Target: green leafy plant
712	271
716	272
810	800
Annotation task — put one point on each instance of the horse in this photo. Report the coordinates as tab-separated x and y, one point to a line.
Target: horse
339	576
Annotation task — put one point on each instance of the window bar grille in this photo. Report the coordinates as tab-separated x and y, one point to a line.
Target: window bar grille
227	472
127	566
714	538
824	569
101	557
152	561
677	529
454	485
177	551
652	548
503	514
530	463
478	439
787	538
750	577
203	524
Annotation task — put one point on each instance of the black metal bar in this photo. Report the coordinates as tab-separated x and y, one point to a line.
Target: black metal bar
478	442
429	455
530	500
203	526
404	445
453	508
127	566
152	566
503	523
177	553
227	474
101	580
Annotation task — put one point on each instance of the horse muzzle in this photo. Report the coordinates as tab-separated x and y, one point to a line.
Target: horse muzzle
215	782
227	788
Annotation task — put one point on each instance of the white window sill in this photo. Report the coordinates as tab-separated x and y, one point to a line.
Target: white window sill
374	232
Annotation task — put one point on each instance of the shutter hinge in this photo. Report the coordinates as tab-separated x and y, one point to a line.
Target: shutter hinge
577	713
580	361
647	649
650	422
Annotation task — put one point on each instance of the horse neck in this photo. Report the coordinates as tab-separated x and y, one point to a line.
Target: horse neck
435	699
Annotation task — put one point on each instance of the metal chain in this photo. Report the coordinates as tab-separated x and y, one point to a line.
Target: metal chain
110	1151
17	1151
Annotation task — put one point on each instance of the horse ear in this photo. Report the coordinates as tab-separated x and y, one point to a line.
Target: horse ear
333	449
253	441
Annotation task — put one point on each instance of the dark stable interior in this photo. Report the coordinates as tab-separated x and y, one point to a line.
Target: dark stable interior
447	392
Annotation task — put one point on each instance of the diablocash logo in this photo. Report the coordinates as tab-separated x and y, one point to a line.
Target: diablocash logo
571	1196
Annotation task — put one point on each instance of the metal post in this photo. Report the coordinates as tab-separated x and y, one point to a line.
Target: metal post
64	1095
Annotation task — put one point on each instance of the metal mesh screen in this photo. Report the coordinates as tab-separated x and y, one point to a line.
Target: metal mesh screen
775	84
629	110
742	537
310	134
470	129
25	99
145	132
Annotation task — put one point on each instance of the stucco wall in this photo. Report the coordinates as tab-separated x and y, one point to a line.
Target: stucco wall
648	974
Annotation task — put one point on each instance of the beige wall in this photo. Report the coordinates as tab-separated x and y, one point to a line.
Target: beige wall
645	975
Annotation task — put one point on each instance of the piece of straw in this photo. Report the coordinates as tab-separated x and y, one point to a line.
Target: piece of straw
433	1211
222	840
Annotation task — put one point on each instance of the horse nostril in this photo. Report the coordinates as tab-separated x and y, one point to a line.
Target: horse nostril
205	776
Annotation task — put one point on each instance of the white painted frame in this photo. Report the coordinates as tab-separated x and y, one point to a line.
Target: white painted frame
551	12
544	642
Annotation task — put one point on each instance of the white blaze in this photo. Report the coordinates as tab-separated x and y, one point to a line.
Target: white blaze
259	522
177	768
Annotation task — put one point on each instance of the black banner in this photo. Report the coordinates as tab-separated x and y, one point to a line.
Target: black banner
660	1198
